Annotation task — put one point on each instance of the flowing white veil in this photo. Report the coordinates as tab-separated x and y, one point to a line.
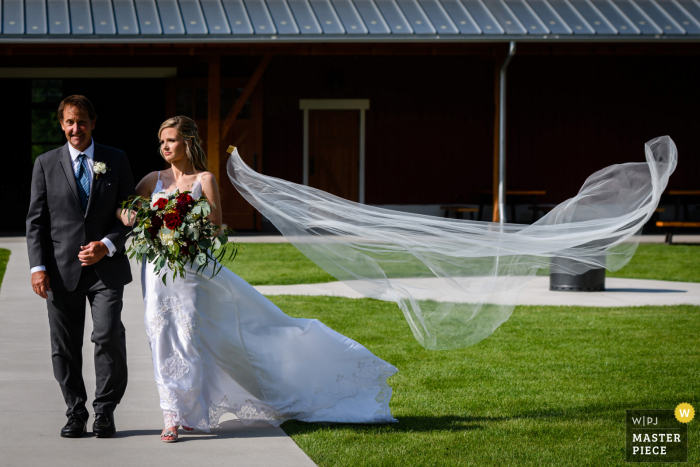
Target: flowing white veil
455	280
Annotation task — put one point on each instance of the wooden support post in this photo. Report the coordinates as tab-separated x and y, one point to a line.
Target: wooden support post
213	117
243	98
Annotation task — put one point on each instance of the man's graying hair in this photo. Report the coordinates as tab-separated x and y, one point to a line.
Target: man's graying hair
187	129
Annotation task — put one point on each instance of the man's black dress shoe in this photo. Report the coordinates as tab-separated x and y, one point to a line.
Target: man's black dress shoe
76	426
104	425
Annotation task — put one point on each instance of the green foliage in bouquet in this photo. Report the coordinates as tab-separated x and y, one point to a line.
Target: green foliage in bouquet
172	231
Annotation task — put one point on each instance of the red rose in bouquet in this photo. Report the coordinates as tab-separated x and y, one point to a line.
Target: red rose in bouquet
183	203
161	203
185	249
156	221
172	220
156	224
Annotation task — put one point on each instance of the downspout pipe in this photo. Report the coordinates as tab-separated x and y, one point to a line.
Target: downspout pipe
502	136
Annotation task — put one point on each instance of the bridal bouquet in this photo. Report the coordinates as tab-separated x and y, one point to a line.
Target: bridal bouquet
173	230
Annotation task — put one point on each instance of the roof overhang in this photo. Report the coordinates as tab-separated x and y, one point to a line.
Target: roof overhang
341	39
347	21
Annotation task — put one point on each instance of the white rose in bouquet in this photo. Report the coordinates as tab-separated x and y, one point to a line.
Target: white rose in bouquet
167	236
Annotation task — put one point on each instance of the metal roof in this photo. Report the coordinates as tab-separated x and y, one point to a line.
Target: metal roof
347	20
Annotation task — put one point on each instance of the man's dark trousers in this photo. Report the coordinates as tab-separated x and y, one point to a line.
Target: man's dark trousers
67	322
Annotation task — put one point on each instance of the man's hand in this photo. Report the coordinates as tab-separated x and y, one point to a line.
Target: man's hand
40	283
92	253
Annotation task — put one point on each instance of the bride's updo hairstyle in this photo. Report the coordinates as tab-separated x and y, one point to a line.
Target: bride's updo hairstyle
187	129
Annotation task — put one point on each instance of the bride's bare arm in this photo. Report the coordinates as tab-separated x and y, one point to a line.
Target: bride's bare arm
210	189
144	188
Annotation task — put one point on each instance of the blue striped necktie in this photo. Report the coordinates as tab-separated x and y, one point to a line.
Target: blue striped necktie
83	177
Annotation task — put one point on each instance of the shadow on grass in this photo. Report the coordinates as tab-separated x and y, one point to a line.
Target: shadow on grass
413	424
456	423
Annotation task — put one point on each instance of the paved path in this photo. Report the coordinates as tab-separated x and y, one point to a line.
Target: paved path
32	409
259	238
620	292
677	239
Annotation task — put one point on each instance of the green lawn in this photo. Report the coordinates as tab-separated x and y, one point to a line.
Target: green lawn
4	258
549	387
275	264
663	262
282	263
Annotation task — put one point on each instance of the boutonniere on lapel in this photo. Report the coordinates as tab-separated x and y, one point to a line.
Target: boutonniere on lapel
100	168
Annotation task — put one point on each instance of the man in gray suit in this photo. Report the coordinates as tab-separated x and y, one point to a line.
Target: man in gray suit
76	252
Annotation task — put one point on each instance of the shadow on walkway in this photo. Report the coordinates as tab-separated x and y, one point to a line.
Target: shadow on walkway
633	290
133	433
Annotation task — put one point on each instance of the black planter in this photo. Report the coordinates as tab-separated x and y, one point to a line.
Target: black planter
590	281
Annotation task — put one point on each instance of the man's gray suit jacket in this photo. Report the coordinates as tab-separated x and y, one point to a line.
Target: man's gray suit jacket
57	225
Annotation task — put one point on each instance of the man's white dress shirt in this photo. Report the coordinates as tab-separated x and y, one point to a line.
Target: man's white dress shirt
89	161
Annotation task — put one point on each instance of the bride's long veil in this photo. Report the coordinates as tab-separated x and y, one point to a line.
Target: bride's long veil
455	280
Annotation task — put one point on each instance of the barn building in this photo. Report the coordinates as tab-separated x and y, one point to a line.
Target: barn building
409	104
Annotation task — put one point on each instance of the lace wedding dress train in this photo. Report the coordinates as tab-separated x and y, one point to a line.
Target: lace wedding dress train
220	346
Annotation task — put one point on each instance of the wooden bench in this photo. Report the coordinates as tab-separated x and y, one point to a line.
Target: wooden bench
544	208
673	225
459	211
485	198
682	202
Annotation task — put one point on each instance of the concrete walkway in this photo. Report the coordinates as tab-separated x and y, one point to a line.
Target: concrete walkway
620	292
32	408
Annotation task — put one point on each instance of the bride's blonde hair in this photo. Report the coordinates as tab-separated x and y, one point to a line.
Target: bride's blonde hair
187	129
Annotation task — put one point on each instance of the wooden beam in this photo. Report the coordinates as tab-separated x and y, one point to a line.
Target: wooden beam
243	98
213	117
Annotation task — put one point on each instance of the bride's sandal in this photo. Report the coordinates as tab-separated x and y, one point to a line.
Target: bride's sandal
168	434
187	429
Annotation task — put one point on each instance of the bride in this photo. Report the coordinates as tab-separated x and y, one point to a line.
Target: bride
220	346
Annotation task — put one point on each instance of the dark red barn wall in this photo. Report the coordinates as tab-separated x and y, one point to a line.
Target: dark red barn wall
428	130
430	123
570	116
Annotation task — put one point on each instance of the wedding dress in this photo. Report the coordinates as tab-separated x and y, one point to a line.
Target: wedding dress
220	346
